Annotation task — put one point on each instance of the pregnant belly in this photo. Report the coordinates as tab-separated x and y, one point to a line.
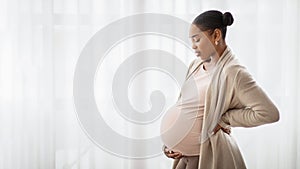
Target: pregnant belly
181	129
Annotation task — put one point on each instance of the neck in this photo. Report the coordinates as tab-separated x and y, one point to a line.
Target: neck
214	59
221	50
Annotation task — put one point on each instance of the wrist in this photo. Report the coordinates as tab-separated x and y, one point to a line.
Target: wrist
224	123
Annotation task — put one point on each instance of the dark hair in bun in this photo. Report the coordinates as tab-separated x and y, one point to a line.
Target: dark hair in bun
213	19
227	19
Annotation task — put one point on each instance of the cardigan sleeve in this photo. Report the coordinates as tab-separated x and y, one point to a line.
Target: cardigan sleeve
258	108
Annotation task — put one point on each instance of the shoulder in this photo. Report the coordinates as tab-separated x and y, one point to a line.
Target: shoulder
192	63
235	72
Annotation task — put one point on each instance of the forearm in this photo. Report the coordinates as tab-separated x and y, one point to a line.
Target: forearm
247	117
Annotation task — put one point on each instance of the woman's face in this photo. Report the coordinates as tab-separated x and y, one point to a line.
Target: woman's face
202	42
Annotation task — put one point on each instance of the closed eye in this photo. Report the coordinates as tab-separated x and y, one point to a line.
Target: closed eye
196	38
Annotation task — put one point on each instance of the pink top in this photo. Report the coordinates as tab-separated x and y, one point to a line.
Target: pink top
182	123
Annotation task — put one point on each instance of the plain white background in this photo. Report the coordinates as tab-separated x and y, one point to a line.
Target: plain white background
41	40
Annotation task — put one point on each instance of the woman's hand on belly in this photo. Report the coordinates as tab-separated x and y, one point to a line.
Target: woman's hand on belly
172	154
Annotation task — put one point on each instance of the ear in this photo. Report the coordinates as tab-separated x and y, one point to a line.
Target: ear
217	35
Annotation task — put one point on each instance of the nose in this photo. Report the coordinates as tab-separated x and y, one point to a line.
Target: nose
194	46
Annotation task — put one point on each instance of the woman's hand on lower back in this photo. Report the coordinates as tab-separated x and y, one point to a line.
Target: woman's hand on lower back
218	127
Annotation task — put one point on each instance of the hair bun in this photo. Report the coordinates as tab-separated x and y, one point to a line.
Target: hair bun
227	19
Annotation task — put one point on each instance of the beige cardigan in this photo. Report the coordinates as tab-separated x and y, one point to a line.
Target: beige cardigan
233	99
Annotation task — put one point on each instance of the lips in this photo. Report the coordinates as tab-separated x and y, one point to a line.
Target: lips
197	53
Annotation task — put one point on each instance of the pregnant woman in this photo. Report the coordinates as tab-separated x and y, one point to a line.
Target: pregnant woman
218	93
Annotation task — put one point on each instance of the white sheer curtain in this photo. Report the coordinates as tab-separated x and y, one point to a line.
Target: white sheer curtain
41	41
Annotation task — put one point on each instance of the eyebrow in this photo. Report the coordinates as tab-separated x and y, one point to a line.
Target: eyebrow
194	35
